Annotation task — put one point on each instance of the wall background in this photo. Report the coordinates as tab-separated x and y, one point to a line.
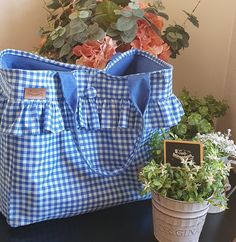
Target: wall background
208	66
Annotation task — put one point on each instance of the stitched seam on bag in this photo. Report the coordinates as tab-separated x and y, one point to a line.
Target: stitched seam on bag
130	53
34	57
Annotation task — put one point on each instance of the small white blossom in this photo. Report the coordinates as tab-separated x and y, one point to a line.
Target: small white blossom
184	161
210	179
222	141
197	168
147	185
191	163
212	157
191	177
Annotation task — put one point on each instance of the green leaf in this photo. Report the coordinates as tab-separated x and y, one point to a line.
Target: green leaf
112	32
163	15
124	12
138	13
192	18
121	2
194	119
85	4
74	15
81	37
65	50
105	13
179	36
77	26
58	43
58	32
124	23
54	4
204	126
133	5
171	36
129	35
98	35
84	14
181	129
203	110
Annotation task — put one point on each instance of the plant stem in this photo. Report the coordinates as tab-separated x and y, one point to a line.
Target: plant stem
194	9
155	29
231	192
45	7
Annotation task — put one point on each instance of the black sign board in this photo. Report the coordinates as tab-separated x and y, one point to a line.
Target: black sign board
176	151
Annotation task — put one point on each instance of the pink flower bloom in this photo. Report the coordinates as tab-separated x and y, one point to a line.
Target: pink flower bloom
143	4
148	40
95	53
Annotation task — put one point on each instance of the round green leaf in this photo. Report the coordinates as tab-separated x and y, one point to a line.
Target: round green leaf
105	13
65	50
138	13
181	129
84	14
203	110
73	15
112	32
171	36
124	23
194	119
58	43
77	26
179	36
204	126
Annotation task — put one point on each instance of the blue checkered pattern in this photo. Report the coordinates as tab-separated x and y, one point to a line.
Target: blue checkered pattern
55	163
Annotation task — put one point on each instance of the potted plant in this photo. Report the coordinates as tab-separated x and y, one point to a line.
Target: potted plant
220	147
181	195
200	114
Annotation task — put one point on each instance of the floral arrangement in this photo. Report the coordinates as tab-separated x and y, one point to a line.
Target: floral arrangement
225	146
200	114
189	182
90	32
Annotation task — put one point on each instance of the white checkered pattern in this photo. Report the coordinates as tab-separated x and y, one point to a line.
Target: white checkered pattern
50	169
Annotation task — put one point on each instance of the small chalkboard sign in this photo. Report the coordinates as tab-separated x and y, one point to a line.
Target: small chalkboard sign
176	151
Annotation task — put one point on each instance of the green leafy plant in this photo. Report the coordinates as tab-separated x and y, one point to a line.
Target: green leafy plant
189	182
200	114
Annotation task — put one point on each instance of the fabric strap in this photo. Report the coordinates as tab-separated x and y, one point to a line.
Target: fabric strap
139	92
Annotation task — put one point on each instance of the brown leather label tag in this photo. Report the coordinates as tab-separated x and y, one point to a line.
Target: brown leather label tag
35	93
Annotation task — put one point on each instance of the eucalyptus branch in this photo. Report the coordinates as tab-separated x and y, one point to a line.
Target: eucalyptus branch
155	29
46	8
193	11
62	5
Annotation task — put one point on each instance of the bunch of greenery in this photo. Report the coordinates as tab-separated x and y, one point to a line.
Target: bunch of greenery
200	114
73	22
189	182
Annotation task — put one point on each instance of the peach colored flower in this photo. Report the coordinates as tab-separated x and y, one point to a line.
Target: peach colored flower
42	42
143	3
95	53
147	39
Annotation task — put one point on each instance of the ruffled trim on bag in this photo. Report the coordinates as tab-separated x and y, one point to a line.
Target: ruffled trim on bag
163	113
37	117
32	117
106	114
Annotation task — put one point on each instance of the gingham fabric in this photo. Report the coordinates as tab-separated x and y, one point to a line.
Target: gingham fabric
80	148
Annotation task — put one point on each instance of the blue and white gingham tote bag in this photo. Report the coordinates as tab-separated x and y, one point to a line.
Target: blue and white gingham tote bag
72	139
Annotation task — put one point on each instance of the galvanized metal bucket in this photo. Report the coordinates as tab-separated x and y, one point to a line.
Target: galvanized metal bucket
178	221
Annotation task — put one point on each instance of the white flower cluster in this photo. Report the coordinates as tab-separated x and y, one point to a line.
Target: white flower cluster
222	141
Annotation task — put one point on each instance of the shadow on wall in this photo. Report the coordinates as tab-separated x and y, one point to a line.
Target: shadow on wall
19	22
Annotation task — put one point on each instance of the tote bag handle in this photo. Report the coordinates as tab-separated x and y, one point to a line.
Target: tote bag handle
69	89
